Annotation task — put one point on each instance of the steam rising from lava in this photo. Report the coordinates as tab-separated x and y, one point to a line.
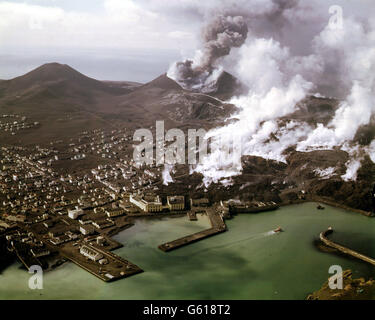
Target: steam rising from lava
279	73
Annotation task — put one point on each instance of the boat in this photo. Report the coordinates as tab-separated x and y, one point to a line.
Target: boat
278	229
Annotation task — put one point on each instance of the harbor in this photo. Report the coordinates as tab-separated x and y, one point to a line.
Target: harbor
230	265
217	226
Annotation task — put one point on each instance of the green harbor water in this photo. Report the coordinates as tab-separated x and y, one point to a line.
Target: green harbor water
247	262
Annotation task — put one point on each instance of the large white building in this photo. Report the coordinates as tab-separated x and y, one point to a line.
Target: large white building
91	253
147	203
176	203
75	213
114	213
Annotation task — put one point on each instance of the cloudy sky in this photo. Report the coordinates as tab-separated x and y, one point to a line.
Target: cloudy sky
113	39
107	39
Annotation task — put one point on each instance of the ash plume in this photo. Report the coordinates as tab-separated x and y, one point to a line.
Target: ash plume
229	29
219	37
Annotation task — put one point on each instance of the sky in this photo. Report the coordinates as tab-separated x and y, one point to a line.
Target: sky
105	39
113	39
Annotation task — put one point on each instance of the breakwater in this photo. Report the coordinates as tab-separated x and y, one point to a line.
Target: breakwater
348	251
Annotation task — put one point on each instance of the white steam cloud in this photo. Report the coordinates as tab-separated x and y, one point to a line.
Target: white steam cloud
167	174
341	60
353	49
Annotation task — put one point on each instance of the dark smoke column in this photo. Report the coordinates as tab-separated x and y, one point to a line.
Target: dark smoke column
219	37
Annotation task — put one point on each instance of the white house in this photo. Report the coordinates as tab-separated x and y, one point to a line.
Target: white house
74	214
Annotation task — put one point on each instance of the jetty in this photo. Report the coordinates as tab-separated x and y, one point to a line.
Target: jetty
115	268
345	250
217	226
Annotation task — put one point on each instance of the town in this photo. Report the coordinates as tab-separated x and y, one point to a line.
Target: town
64	202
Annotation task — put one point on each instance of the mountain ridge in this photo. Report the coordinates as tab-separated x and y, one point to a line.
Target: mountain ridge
55	91
55	74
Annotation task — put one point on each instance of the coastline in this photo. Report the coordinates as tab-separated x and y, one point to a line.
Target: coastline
328	202
247	234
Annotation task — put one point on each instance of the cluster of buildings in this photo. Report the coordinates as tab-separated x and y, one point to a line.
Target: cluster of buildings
26	245
35	178
37	185
153	203
58	238
101	144
13	123
64	204
124	176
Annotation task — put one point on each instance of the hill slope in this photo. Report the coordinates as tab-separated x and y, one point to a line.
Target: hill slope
58	77
65	102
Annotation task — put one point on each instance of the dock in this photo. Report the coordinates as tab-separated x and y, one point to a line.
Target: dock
350	252
217	226
117	267
27	260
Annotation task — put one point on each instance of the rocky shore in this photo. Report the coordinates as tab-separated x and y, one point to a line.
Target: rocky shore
288	183
353	289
